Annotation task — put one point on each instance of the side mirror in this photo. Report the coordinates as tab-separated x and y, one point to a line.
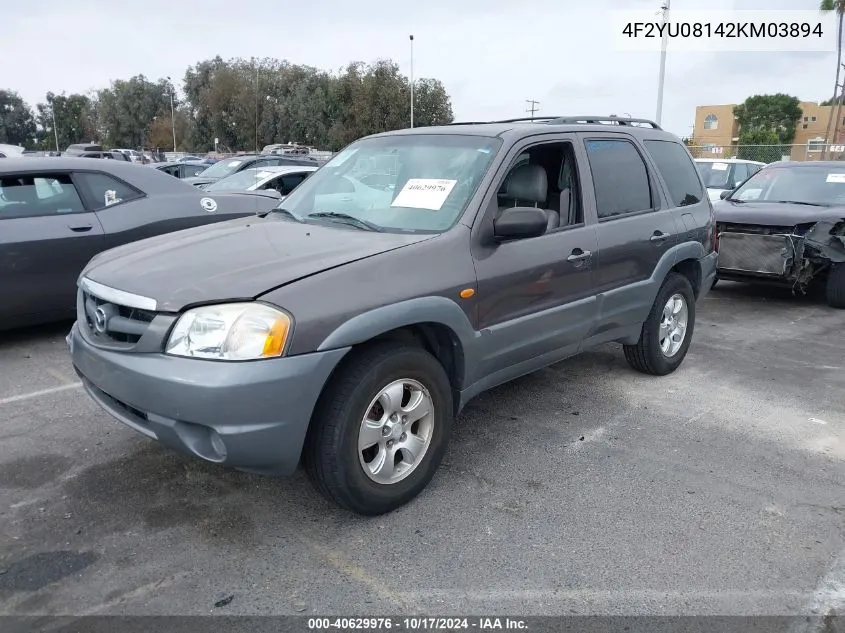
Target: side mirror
725	194
519	223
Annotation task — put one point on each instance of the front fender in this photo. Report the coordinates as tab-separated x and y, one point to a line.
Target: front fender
437	310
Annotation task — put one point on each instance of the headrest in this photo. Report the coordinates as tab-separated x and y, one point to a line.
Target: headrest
528	183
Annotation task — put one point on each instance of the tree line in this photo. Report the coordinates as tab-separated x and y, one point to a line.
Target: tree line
244	104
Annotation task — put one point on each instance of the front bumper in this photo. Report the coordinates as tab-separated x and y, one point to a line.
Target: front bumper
252	416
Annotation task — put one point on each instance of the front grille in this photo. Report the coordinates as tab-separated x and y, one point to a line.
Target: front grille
113	323
756	253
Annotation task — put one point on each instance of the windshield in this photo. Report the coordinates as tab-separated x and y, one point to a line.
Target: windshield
240	180
714	175
813	185
223	168
415	182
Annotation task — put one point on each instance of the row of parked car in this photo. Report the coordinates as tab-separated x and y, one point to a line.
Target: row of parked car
346	326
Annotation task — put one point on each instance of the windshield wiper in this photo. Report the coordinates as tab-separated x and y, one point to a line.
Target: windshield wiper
735	200
809	204
345	218
280	210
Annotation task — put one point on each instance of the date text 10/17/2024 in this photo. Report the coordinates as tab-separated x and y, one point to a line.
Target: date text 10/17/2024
417	624
723	29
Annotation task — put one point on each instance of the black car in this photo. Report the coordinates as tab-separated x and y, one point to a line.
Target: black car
230	166
57	213
786	226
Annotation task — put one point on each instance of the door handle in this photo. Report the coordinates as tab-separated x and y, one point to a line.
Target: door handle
80	228
659	236
578	255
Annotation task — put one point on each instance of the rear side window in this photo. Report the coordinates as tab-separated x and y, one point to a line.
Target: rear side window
33	195
620	177
106	191
678	171
288	183
194	170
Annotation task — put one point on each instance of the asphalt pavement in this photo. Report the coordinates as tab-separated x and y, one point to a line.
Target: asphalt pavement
585	488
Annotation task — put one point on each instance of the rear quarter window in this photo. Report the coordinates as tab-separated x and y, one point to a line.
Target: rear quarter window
678	170
106	191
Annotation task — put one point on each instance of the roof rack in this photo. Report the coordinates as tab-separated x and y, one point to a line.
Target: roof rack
564	120
568	120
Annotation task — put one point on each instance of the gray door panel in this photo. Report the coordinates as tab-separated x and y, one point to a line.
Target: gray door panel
40	260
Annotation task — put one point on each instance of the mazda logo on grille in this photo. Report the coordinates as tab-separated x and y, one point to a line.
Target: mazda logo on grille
100	320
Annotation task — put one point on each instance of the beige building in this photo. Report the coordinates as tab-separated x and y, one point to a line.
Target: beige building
716	127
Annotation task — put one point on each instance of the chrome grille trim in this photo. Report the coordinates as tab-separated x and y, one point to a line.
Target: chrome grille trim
120	297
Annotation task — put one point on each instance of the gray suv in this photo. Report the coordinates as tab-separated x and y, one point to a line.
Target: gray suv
346	328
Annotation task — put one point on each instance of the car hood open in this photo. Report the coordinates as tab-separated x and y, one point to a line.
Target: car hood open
234	260
774	213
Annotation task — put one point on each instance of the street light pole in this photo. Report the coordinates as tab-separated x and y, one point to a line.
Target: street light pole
172	116
412	81
55	129
663	45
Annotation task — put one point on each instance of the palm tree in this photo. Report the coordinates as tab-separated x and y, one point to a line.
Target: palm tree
839	6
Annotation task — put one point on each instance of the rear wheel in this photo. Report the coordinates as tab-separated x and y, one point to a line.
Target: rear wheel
380	429
667	331
836	286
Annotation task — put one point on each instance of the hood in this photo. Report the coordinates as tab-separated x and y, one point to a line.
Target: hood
774	213
234	260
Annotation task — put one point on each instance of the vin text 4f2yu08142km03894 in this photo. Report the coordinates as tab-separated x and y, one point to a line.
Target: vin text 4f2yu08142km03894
346	328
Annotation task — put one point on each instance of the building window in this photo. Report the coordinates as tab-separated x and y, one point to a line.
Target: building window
815	145
804	126
711	122
812	118
805	119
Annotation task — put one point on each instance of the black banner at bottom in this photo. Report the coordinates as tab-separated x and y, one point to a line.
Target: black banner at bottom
306	624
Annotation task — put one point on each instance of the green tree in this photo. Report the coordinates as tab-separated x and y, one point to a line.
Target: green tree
778	113
127	109
826	6
761	144
75	117
17	123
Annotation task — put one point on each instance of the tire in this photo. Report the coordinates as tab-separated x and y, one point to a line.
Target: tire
331	453
715	281
647	356
836	286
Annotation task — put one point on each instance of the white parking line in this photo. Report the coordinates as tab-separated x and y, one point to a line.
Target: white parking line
42	392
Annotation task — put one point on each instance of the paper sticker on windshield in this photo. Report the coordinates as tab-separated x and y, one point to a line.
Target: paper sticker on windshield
720	166
208	204
836	178
234	163
424	193
263	174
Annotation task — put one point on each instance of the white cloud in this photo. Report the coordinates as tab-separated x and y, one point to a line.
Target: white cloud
492	55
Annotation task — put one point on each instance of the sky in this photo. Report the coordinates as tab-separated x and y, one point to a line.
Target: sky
491	55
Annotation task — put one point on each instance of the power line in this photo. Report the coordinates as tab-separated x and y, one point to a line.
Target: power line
533	107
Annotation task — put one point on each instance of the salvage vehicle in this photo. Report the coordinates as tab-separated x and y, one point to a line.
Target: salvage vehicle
722	175
786	226
57	213
282	178
348	329
230	166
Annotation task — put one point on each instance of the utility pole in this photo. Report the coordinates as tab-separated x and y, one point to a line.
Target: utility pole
412	81
837	121
172	116
663	45
533	107
52	102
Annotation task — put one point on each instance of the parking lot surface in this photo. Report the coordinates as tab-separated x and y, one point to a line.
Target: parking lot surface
583	488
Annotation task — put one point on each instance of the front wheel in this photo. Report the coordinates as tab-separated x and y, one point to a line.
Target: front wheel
667	331
836	286
381	428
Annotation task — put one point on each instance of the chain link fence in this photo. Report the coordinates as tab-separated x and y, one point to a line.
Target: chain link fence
770	153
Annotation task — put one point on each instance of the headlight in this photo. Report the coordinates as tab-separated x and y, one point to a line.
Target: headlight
233	331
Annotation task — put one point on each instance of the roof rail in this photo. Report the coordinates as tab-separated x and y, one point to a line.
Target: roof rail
567	120
564	120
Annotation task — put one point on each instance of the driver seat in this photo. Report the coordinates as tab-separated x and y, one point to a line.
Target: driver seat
529	184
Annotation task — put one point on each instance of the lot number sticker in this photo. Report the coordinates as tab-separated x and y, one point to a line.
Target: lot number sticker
720	167
836	178
424	193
